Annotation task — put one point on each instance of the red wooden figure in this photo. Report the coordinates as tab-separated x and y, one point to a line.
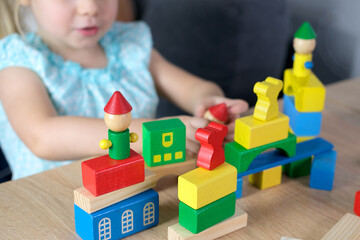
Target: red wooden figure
211	153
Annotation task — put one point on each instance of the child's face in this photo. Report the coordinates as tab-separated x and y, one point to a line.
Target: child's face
76	24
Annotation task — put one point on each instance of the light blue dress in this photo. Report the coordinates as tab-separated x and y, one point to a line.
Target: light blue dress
78	91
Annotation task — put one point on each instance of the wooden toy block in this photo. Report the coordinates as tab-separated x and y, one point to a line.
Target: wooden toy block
89	203
198	220
302	123
239	186
323	171
309	92
267	92
272	159
164	142
357	203
211	153
174	169
200	187
299	67
267	178
217	113
241	158
236	222
251	133
299	168
103	174
120	220
348	228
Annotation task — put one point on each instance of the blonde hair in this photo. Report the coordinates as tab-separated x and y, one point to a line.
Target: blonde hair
10	21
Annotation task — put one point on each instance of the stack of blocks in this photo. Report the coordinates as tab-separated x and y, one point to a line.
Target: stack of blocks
265	129
304	98
117	199
207	194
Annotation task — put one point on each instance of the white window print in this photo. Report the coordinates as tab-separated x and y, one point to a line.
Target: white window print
127	221
105	229
149	213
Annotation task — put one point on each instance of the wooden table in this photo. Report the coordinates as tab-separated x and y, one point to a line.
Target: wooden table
41	206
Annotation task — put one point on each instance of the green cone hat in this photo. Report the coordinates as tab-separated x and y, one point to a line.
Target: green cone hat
305	31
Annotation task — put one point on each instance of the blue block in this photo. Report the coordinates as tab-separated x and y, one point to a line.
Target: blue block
276	158
323	171
119	220
239	185
302	123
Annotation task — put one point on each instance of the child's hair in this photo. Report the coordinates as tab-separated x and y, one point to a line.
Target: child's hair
9	22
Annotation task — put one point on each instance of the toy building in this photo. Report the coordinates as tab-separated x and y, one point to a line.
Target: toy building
117	199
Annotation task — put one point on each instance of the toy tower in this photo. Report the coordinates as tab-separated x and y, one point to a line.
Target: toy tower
265	129
207	194
304	96
116	200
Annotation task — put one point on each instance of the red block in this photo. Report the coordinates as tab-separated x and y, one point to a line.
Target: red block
103	174
357	203
211	153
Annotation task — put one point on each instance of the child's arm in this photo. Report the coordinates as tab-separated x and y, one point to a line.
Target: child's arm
47	135
193	95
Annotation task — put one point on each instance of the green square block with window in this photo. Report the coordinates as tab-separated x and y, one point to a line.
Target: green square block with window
164	142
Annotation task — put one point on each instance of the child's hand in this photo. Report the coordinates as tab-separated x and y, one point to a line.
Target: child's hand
192	124
234	106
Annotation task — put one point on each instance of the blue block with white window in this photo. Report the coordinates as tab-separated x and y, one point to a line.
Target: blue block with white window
119	220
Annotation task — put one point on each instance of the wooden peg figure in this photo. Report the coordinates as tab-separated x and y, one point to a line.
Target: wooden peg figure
267	92
304	44
117	119
217	113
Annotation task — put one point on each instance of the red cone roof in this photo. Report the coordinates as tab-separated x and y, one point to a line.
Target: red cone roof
117	105
219	112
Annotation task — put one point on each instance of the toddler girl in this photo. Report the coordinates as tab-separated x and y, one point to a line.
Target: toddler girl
55	82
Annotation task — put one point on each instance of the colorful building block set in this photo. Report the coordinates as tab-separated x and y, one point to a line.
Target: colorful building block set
117	199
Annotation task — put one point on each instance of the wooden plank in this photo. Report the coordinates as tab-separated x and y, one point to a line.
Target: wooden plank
348	228
236	222
90	203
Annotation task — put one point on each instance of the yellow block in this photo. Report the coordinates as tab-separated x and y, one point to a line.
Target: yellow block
309	93
200	187
267	178
267	92
299	64
251	133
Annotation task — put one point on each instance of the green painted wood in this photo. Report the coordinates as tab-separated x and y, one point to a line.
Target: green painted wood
241	158
198	220
120	141
299	168
164	142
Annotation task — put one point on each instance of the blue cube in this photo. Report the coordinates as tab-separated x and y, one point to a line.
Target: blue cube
323	171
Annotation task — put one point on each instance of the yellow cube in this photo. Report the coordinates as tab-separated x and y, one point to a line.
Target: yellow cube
201	187
251	133
267	178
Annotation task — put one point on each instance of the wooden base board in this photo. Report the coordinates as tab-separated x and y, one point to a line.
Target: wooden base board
174	169
347	228
238	221
90	203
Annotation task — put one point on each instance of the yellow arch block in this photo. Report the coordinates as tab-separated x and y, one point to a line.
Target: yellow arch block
201	187
309	93
251	133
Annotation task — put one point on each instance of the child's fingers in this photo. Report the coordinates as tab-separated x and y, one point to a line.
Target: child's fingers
192	148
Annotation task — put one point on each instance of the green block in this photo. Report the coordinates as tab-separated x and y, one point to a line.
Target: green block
198	220
164	142
299	168
120	148
241	158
